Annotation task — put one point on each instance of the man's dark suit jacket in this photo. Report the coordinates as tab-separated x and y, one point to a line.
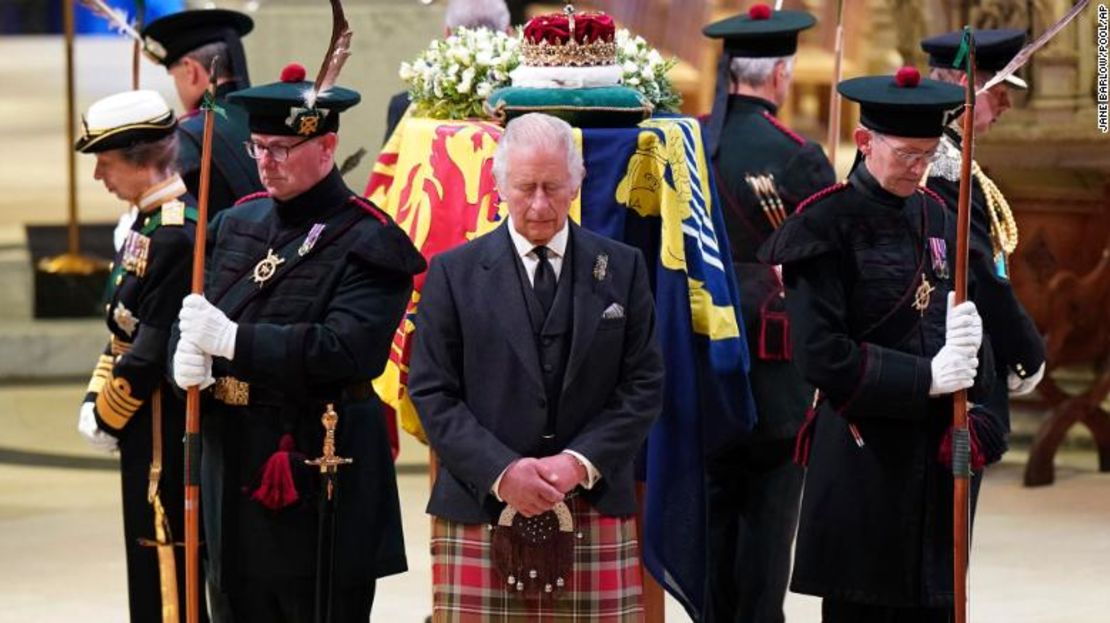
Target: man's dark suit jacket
476	382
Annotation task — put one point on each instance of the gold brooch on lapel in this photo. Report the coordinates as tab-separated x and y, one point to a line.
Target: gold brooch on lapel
601	267
266	267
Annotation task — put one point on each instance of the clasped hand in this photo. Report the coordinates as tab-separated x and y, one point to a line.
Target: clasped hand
534	486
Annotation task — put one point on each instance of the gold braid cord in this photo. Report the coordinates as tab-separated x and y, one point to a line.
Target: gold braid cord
100	375
163	535
1004	231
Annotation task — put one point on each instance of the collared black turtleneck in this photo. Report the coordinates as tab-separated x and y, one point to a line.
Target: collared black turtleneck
862	180
316	203
750	103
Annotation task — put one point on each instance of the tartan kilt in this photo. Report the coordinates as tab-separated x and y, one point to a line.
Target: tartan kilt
605	585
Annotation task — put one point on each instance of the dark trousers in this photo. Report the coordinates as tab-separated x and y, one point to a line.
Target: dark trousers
219	604
837	611
754	492
294	601
144	594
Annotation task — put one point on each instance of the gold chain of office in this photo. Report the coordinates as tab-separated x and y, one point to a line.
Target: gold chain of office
1004	231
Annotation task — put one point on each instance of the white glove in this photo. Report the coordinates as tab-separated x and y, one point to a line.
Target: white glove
123	227
1019	386
953	369
98	439
203	324
963	326
191	366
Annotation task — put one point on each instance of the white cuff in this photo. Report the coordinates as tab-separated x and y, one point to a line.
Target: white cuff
592	475
497	483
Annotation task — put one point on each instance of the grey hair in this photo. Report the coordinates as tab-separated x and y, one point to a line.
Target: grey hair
537	131
755	72
492	14
159	155
215	50
945	74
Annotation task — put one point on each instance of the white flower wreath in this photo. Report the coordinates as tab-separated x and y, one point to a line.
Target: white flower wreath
455	75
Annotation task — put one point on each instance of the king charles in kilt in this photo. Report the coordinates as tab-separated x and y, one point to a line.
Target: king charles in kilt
537	375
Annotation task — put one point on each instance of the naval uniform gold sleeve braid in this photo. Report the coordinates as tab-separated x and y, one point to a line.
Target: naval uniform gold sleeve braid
137	373
100	374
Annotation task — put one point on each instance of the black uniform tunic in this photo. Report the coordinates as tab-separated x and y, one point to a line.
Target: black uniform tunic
318	331
875	524
234	174
754	143
1018	346
754	487
142	306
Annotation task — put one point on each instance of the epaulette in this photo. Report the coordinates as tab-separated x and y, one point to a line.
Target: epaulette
168	215
251	197
374	210
821	194
946	164
794	136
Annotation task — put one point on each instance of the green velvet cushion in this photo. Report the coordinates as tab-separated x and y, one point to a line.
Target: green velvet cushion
598	107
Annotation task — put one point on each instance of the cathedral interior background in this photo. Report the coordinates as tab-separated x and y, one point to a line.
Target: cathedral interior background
1041	547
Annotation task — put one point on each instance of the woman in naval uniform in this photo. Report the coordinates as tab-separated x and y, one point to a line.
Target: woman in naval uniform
129	406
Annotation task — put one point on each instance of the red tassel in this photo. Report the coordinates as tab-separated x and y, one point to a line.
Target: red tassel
277	489
944	454
978	459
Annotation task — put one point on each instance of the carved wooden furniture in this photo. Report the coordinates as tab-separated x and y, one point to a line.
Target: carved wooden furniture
1061	272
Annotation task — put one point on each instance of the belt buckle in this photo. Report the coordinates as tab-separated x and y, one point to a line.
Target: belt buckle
231	391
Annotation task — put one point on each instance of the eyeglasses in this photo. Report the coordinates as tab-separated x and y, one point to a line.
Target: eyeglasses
908	157
278	153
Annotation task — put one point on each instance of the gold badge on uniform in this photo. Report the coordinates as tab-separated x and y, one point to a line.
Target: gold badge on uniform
304	121
124	319
173	213
308	125
923	294
266	267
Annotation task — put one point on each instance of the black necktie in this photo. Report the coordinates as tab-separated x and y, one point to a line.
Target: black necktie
544	280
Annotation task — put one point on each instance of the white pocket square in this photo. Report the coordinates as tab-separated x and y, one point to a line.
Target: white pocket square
613	311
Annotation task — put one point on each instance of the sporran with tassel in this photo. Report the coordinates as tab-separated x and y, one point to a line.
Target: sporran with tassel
534	555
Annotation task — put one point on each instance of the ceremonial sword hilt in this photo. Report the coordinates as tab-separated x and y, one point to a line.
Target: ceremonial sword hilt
329	461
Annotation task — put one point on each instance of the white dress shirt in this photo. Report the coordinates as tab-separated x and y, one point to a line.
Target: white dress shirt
556	251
